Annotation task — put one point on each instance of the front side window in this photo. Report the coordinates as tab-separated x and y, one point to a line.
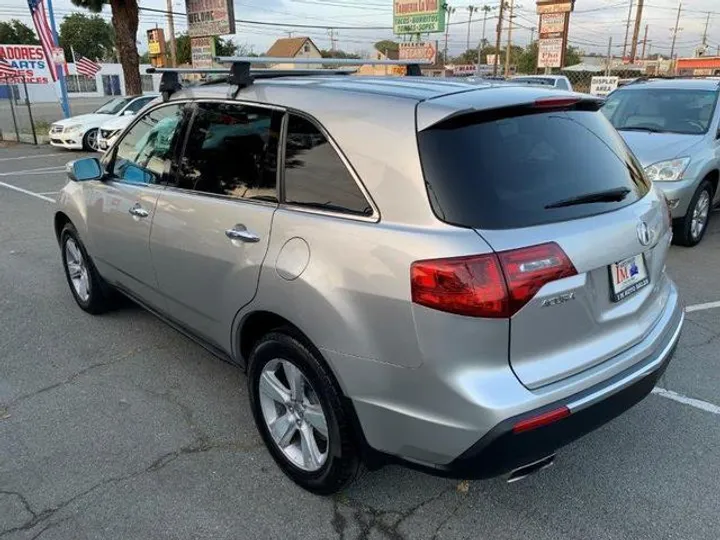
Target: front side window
315	176
232	151
660	110
113	106
138	104
145	151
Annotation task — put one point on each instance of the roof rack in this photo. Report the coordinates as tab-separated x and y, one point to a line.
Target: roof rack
241	75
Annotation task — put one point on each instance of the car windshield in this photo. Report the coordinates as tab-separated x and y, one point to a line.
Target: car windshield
661	110
113	106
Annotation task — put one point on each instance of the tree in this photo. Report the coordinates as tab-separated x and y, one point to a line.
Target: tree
468	57
15	32
387	45
92	37
337	54
125	21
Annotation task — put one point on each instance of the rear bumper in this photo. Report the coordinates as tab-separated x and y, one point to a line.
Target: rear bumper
500	450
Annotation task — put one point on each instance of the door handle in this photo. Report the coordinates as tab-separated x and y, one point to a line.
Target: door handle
138	211
240	232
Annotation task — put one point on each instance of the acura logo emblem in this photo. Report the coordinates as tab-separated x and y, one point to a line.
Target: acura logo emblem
643	232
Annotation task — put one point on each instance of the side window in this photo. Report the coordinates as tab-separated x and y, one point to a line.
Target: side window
315	176
146	150
232	151
138	104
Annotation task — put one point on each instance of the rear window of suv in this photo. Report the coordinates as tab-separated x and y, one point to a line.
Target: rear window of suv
511	168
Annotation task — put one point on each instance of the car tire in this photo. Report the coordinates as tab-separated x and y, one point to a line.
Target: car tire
90	140
90	291
287	415
689	230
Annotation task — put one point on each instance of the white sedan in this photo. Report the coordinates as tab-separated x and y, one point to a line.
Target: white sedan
110	130
81	132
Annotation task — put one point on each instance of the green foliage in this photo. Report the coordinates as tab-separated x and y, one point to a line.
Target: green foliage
15	32
90	36
338	54
387	45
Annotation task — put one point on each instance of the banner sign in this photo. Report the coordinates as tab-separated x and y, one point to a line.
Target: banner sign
29	61
602	86
202	51
425	50
418	16
550	53
210	17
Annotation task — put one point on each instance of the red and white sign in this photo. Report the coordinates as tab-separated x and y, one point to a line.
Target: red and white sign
464	69
563	7
29	61
425	50
550	52
552	23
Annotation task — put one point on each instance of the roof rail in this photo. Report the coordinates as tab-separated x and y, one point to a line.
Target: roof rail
241	75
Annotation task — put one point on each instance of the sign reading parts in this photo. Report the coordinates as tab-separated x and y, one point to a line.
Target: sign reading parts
602	86
210	17
418	16
29	61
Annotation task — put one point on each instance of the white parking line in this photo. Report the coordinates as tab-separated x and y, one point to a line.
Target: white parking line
49	193
26	192
701	307
31	157
41	170
697	403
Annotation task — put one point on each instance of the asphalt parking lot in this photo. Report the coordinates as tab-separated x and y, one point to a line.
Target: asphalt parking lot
119	427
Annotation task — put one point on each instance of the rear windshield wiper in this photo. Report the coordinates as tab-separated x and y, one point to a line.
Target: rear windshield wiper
640	128
610	195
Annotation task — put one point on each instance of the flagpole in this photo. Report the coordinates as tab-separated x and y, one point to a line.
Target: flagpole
61	72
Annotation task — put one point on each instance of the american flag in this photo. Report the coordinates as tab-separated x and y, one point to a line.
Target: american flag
6	69
47	39
86	67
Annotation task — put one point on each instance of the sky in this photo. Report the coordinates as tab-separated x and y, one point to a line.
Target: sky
591	24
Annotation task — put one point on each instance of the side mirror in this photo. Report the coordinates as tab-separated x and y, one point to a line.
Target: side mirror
83	170
128	112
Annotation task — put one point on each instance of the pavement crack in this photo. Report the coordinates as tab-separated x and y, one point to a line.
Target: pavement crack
23	500
72	377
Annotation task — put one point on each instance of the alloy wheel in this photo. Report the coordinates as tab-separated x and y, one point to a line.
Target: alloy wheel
91	139
77	270
293	415
700	214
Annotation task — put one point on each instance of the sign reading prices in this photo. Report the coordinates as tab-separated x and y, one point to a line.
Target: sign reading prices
418	16
210	17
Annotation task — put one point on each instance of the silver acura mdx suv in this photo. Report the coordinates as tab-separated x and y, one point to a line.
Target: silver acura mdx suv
458	278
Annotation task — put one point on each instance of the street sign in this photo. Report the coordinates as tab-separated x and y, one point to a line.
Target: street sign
552	24
424	50
602	86
202	52
210	17
550	52
418	16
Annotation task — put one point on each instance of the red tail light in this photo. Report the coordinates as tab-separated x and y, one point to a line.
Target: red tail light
555	102
492	285
541	420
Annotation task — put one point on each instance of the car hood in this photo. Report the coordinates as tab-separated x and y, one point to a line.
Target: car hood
119	122
89	120
650	148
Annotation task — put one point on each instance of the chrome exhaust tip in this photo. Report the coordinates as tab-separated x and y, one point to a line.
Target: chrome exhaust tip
530	468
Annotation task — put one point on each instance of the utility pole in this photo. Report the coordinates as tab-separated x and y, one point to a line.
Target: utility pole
485	9
627	29
171	31
509	40
532	34
675	31
607	66
707	22
636	31
331	33
471	10
448	11
644	42
498	37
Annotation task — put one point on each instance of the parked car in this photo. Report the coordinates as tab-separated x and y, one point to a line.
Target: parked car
109	131
561	82
81	132
673	127
491	289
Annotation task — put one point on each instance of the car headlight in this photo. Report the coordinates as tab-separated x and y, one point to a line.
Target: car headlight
667	171
72	129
